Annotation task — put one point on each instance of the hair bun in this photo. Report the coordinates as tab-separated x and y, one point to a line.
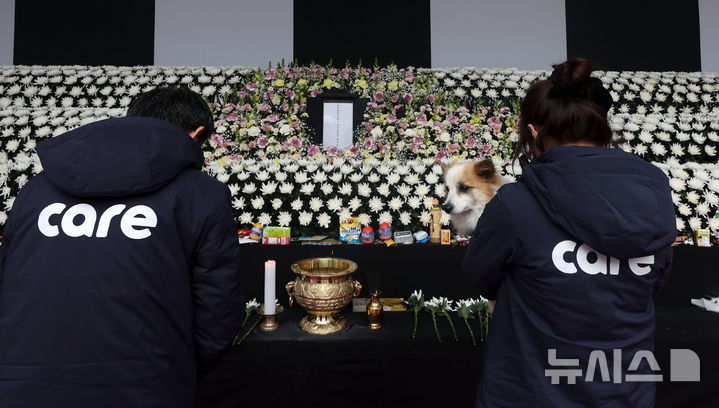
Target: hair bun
573	78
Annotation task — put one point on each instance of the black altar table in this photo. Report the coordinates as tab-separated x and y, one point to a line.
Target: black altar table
360	367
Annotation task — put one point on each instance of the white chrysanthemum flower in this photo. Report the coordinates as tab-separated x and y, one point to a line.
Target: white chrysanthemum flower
713	185
364	190
346	169
414	202
695	223
296	204
249	188
268	188
307	188
710	150
372	178
680	224
301	177
385	217
327	188
702	209
383	189
334	204
694	150
393	178
315	204
276	203
238	203
319	177
658	149
262	175
246	218
423	189
384	169
344	214
336	177
695	183
684	209
711	198
305	218
645	137
364	219
324	220
677	149
395	203
677	184
345	189
375	204
404	190
432	178
405	218
440	191
257	202
356	177
412	179
693	197
265	219
354	204
242	175
286	188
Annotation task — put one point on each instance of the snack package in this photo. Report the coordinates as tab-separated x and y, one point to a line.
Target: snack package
703	237
350	231
276	236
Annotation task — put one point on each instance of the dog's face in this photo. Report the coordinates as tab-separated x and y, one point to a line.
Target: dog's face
470	186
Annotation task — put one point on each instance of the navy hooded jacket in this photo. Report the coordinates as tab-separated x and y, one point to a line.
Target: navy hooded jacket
573	253
119	281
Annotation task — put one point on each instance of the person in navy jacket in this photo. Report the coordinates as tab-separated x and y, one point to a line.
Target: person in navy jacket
573	253
120	276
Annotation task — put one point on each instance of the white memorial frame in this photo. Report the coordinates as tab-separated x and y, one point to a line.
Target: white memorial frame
337	123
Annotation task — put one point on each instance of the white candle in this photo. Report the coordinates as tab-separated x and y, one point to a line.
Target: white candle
269	287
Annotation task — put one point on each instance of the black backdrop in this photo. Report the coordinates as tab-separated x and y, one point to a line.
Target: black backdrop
635	35
84	32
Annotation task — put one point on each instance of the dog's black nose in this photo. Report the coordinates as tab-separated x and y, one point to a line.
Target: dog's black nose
447	207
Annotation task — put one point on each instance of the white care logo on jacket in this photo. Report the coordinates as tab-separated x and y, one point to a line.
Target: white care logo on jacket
135	222
602	265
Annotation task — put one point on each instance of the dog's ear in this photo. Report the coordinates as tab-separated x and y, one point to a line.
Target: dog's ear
485	169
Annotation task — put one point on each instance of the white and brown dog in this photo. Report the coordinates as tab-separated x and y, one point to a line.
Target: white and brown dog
470	186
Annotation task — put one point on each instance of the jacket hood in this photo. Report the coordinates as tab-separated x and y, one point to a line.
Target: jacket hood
118	157
613	201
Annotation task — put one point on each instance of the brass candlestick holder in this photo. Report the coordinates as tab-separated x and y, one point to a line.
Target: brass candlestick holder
270	322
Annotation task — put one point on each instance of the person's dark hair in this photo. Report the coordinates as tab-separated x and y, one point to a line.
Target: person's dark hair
570	107
177	105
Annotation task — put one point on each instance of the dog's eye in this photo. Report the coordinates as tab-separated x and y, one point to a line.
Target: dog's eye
463	188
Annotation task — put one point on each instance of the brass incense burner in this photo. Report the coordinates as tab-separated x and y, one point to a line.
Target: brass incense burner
323	287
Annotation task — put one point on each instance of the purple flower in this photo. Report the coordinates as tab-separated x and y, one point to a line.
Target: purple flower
394	98
378	96
268	95
353	149
251	86
273	118
408	97
242	94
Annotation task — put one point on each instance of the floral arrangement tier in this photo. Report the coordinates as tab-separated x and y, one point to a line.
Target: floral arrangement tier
416	121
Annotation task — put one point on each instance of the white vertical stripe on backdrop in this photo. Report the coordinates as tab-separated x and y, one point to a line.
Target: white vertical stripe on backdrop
498	33
709	34
7	31
223	32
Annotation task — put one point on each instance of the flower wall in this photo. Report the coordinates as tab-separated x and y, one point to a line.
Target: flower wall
416	121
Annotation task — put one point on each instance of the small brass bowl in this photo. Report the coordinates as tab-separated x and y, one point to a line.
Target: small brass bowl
323	287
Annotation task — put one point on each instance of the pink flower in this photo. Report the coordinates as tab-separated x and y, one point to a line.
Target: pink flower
252	144
314	93
295	125
262	142
284	107
403	125
273	118
430	98
297	142
440	155
421	119
232	117
394	98
353	149
378	96
313	150
408	97
391	118
369	144
471	142
418	140
368	126
242	94
245	107
243	123
332	151
270	74
453	147
263	107
251	86
268	95
267	127
453	119
290	94
409	77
